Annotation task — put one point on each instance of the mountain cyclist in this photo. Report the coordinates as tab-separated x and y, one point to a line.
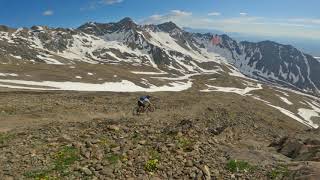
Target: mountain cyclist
143	102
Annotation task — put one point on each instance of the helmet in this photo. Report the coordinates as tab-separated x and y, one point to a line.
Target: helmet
148	96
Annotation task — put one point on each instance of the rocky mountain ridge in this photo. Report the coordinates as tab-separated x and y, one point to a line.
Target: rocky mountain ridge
164	46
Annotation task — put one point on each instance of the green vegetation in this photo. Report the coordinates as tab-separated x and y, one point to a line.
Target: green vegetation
151	165
279	172
9	111
4	138
154	154
113	158
185	144
154	158
42	174
64	158
104	141
239	166
136	137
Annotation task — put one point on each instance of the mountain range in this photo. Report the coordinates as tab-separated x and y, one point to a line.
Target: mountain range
164	46
224	109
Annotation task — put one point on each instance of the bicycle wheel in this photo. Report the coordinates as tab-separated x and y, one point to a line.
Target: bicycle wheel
151	108
135	111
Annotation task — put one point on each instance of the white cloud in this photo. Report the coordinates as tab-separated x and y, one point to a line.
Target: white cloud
243	14
47	13
241	20
262	26
214	14
110	2
92	5
305	20
290	28
180	13
173	15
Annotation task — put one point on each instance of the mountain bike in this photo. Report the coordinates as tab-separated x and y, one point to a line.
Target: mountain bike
140	110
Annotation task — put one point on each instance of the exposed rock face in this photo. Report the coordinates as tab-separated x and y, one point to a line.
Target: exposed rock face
299	150
305	171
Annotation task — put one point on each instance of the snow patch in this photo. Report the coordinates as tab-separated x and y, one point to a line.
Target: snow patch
17	57
49	60
307	114
285	100
239	91
123	86
9	74
290	114
147	73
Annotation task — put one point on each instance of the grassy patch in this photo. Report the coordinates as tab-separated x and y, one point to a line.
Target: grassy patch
9	111
239	166
136	137
64	158
104	141
279	172
4	138
113	145
185	144
154	154
42	174
113	158
151	165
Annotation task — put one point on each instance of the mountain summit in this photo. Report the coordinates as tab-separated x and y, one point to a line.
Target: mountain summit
127	23
168	27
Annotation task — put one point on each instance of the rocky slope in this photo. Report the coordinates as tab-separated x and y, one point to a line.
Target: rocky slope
76	135
163	46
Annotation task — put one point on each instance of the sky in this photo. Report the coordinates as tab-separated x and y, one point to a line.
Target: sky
298	19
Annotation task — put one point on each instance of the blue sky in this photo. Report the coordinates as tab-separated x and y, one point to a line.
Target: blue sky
275	18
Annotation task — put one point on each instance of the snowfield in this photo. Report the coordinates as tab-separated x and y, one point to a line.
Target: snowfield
123	86
239	91
309	113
